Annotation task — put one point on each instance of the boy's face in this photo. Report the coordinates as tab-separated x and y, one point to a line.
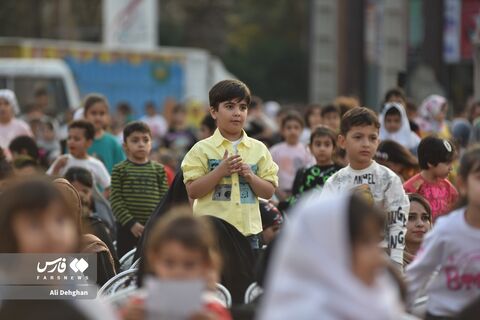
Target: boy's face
291	131
231	116
332	120
441	170
77	143
98	115
393	123
360	143
138	146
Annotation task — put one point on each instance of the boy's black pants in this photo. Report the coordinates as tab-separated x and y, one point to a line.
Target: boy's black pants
126	241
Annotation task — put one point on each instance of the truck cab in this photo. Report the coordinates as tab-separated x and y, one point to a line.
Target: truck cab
52	76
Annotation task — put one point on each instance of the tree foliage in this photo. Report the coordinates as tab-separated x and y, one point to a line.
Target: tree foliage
264	43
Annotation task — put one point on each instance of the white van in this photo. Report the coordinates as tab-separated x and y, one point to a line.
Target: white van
26	76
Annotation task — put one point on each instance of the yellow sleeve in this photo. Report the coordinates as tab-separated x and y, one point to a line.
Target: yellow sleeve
194	164
267	168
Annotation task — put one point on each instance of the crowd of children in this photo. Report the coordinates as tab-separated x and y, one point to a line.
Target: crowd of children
342	212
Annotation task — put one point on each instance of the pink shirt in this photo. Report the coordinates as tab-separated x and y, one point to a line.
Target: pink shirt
289	159
441	195
10	131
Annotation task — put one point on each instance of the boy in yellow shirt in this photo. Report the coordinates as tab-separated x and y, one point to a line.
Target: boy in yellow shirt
227	172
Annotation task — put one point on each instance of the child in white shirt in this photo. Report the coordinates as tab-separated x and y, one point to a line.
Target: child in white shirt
359	131
453	248
80	136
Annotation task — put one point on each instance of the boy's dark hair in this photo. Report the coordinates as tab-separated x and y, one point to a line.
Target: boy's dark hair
329	108
309	112
91	99
393	112
389	150
228	90
209	122
25	143
88	128
79	174
136	126
433	150
292	116
395	92
359	116
323	131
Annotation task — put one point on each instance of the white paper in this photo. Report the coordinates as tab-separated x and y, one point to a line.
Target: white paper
173	300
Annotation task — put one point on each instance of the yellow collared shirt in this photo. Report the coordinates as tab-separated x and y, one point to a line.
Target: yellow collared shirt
232	200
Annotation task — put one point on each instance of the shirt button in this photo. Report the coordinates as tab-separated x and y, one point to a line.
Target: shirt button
235	184
238	203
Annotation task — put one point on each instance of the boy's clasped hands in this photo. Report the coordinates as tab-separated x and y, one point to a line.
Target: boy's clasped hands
234	164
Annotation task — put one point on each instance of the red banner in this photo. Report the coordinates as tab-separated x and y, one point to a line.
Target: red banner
470	25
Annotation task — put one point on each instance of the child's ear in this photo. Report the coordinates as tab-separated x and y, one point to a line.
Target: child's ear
213	112
89	143
124	147
341	141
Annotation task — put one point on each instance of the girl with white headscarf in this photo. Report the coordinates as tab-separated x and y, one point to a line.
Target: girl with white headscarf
10	127
329	266
403	135
433	112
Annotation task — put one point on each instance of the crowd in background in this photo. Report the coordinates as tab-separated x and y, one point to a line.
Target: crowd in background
339	178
